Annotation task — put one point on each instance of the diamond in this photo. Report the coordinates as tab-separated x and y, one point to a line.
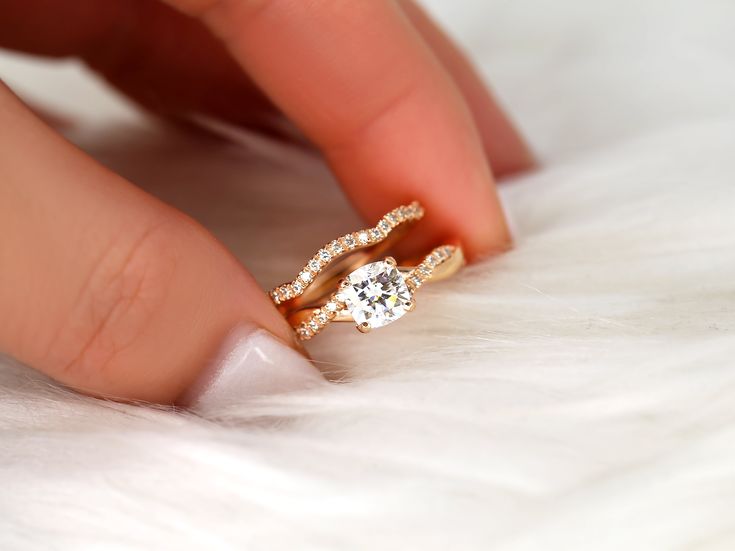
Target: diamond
377	294
341	246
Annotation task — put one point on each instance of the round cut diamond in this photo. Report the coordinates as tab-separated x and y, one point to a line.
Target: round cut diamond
376	294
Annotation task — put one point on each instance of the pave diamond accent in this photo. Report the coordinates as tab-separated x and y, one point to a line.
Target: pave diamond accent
345	244
377	294
424	271
336	247
319	319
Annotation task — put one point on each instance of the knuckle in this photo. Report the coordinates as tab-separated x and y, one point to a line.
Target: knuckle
125	289
369	123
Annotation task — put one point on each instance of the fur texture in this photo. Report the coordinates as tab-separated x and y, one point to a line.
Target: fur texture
576	393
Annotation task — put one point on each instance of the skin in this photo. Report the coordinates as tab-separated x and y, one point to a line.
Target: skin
142	295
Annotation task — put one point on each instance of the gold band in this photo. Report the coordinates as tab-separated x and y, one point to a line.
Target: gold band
345	281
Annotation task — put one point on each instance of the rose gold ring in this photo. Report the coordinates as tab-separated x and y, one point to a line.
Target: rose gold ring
348	281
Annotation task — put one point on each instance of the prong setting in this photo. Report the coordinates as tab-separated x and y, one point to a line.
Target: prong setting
344	245
339	306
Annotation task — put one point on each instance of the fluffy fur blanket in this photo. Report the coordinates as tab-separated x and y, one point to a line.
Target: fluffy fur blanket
575	394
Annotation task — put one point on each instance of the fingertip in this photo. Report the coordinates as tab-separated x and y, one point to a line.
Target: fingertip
249	363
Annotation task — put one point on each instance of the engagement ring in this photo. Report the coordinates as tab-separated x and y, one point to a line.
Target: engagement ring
347	280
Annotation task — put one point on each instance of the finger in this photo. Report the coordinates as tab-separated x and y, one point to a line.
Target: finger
164	60
504	145
195	74
363	85
110	291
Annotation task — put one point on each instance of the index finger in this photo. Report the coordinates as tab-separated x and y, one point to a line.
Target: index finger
361	83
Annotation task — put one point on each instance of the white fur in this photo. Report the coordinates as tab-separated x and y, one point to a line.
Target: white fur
575	394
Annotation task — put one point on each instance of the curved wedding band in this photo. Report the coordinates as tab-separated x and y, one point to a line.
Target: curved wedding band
347	280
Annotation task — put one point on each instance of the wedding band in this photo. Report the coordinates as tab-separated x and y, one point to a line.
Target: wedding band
349	279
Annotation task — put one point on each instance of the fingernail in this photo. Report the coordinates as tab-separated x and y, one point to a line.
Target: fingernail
251	362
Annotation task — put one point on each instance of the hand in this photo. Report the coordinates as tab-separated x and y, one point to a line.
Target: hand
112	292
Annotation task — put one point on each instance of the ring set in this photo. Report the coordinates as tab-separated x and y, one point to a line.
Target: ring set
348	281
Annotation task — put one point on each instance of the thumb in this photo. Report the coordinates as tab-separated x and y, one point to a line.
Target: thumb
116	294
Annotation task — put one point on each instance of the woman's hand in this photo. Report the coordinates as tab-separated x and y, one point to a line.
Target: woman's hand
112	292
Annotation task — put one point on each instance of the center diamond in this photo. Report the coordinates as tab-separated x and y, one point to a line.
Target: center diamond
376	294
